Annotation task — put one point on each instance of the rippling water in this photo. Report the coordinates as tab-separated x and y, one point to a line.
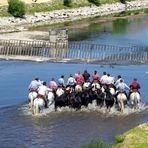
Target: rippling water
66	128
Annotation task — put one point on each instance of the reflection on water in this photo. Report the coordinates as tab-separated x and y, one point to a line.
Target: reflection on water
132	30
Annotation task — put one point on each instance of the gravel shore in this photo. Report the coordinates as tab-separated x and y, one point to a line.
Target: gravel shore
11	24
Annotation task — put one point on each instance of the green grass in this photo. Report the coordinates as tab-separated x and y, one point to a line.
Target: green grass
96	143
134	138
56	5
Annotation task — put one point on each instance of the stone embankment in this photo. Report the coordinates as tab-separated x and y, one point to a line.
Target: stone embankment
10	24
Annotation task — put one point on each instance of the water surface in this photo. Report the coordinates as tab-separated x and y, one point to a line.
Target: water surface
66	128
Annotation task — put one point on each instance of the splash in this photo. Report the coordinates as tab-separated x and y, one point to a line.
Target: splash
114	111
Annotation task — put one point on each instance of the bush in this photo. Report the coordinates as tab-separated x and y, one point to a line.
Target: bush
119	139
123	1
96	2
16	8
68	3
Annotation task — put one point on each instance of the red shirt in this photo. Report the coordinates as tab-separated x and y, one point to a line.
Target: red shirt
135	85
96	77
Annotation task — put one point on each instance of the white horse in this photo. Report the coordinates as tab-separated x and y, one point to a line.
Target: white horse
31	97
135	99
86	85
39	103
95	86
121	99
78	88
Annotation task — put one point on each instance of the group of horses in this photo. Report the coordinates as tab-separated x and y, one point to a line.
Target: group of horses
81	95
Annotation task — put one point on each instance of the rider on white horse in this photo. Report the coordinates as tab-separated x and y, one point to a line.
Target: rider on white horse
122	87
135	86
134	95
43	91
33	86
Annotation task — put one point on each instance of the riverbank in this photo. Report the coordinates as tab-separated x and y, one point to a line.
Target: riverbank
11	24
134	138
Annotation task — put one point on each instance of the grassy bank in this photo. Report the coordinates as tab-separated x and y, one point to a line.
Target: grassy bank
134	138
54	5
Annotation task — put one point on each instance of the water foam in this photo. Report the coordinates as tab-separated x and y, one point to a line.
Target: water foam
114	111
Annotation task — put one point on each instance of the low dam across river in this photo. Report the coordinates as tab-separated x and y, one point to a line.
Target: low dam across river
73	52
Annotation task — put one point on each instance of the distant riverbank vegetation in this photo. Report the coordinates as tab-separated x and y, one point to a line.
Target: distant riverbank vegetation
19	8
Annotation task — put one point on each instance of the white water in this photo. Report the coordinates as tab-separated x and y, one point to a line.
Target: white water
91	108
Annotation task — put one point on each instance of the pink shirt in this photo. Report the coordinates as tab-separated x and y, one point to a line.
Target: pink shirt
79	78
52	84
96	77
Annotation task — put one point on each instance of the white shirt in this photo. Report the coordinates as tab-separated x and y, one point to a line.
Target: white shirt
71	81
104	79
118	81
34	84
43	90
122	87
110	80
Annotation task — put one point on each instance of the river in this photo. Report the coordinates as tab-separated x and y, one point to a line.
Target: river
66	128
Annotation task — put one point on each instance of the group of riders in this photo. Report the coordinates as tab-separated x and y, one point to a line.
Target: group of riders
82	82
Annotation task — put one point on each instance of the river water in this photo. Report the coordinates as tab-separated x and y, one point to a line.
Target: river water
65	128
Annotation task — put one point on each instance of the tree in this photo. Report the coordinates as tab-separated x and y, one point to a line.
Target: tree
17	8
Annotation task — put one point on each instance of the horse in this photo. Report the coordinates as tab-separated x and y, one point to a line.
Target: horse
39	102
109	98
121	100
39	105
134	99
61	101
78	88
31	96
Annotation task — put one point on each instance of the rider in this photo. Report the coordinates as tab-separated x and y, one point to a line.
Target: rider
86	75
61	81
33	86
104	78
109	79
135	86
79	77
53	84
122	87
96	76
118	80
71	81
42	92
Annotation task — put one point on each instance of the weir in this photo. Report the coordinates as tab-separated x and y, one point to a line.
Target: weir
78	52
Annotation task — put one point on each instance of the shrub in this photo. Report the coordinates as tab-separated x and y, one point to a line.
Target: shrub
16	8
120	139
96	2
68	3
123	1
